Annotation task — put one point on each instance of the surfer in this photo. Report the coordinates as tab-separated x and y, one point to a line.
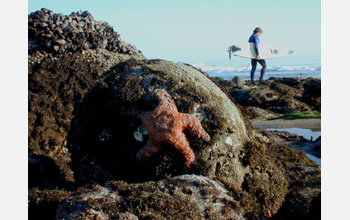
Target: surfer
255	39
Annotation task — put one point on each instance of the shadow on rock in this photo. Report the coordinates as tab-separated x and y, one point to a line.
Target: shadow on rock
43	204
44	173
102	143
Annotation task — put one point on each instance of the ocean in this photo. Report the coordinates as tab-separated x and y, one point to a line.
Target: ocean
228	72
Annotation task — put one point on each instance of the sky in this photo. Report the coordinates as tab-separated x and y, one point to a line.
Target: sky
199	31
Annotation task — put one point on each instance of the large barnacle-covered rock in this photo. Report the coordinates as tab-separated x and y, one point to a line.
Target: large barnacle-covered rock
107	109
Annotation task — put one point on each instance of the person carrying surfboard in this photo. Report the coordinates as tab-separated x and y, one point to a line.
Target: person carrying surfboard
254	38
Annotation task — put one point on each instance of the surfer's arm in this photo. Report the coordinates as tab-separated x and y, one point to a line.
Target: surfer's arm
256	47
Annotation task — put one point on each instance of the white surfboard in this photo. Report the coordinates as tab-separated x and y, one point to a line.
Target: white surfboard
266	51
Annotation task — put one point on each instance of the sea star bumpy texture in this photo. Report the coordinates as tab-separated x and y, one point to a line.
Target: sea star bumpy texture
165	125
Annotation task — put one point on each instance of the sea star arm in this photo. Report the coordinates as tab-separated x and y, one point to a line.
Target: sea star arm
148	150
194	127
166	103
180	142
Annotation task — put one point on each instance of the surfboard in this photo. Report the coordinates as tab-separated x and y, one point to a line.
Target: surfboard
266	51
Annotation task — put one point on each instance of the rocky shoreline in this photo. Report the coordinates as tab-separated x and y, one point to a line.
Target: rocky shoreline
84	85
275	96
296	99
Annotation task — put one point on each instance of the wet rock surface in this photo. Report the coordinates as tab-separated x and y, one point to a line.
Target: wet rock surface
82	152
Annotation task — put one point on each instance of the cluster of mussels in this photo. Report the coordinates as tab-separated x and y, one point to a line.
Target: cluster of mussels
58	33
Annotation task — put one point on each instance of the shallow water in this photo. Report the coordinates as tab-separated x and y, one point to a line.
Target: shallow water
305	132
315	159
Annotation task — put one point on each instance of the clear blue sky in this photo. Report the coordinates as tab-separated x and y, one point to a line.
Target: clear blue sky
194	31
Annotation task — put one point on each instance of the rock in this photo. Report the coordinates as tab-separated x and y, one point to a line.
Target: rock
256	112
239	81
56	48
32	44
104	104
86	14
43	204
295	82
73	15
304	200
64	24
68	27
193	93
43	24
181	197
61	42
286	90
287	105
312	88
104	43
227	158
73	23
260	97
48	45
279	95
312	93
127	216
225	85
45	10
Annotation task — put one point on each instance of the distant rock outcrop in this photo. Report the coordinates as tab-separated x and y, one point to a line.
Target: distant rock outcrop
275	95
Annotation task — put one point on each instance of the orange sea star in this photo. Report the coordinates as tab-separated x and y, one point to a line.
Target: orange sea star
165	125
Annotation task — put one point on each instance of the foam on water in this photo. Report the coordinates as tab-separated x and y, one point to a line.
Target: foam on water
228	73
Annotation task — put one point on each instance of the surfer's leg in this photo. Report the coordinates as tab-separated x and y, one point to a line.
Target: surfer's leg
254	62
263	69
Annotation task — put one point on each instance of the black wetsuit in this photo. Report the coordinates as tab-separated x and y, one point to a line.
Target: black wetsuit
255	39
